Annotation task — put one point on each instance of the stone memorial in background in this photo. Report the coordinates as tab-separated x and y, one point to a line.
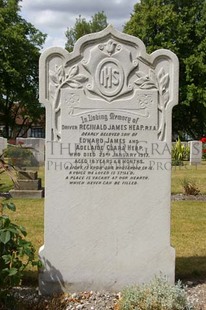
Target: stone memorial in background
28	185
108	163
195	152
36	145
3	145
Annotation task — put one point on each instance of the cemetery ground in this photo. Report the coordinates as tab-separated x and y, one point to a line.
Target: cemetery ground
188	231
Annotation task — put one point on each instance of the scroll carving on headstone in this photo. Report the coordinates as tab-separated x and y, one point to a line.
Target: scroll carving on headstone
112	72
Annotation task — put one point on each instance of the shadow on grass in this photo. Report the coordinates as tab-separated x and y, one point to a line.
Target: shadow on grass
191	268
187	269
30	278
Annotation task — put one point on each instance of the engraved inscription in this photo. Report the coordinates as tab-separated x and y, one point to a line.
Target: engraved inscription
108	163
111	72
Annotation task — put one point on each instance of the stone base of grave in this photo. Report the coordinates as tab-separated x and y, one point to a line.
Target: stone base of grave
27	193
28	185
115	276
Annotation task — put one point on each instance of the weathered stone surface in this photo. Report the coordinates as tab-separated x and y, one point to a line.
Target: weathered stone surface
108	163
195	152
27	175
36	146
28	184
3	144
27	193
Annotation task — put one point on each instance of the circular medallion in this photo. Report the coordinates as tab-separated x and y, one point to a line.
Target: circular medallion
109	77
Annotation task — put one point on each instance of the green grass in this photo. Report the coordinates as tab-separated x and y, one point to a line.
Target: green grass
30	214
188	231
179	173
188	238
196	174
188	224
6	183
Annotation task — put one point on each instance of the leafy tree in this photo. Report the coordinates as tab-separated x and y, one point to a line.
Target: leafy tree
178	25
20	43
82	27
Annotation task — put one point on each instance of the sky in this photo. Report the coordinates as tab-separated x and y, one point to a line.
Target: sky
53	17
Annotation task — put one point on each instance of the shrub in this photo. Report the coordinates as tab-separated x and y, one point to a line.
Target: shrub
180	152
19	156
15	251
190	187
157	295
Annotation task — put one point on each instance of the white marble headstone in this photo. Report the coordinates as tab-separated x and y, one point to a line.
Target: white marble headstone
108	163
195	152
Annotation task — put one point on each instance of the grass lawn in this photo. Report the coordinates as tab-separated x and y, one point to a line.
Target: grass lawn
188	224
196	174
187	234
30	214
6	183
188	237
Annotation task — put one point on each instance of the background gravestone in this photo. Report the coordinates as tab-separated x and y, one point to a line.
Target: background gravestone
108	163
3	144
195	152
28	185
36	145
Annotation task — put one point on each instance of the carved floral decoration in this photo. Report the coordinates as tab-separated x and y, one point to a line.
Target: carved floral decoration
63	77
160	82
110	64
59	79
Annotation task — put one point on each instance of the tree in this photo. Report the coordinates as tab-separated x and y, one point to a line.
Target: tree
178	25
20	43
82	27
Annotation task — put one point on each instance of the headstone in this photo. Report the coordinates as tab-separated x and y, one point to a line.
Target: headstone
36	145
108	163
3	144
28	185
195	152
